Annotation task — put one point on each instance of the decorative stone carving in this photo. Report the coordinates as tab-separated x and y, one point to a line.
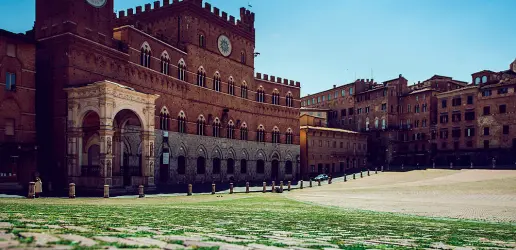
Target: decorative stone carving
108	145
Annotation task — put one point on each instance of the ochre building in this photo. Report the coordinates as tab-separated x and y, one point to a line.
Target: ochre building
330	151
158	95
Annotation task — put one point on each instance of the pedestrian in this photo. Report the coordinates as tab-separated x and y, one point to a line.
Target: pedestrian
38	187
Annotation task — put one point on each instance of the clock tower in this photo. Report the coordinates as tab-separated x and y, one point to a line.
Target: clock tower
92	19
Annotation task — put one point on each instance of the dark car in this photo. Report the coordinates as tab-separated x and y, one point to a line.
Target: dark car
321	177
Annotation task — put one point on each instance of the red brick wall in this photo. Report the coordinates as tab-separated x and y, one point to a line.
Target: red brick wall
18	105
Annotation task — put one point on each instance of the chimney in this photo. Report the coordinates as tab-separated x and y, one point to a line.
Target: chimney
334	86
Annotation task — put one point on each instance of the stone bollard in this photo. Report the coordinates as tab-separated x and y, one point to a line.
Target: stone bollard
230	188
247	187
106	191
368	174
141	194
354	176
71	191
289	183
189	189
361	174
329	180
273	188
319	182
281	186
32	188
310	182
345	178
451	165
213	188
471	165
264	187
375	170
301	185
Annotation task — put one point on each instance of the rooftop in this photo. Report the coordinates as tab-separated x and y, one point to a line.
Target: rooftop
329	129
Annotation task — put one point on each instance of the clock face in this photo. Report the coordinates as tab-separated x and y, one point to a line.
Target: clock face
224	45
97	3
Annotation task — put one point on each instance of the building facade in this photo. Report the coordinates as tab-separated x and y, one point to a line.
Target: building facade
330	151
158	95
439	121
18	148
477	122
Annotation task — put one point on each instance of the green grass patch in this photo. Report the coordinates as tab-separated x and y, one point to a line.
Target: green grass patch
260	215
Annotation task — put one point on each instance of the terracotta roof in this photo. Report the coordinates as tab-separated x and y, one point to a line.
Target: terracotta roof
329	129
313	109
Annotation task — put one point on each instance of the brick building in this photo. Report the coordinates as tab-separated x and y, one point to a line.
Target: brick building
477	122
158	95
330	150
17	110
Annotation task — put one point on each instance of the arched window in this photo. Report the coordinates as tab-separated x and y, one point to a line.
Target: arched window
242	57
260	94
231	86
181	70
484	79
145	55
216	127
384	124
164	119
231	166
201	166
243	166
181	122
376	122
181	165
477	80
275	135
275	97
216	82
243	90
231	130
289	136
243	131
201	77
367	124
260	134
202	41
216	165
289	100
201	124
165	63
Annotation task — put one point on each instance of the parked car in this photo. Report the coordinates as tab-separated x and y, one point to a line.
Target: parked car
321	177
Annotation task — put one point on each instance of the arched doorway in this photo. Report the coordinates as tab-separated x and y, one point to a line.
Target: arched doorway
120	122
201	165
260	167
275	170
128	146
181	165
94	155
231	166
288	167
90	158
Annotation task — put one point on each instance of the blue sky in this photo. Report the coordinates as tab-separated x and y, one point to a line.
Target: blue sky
322	43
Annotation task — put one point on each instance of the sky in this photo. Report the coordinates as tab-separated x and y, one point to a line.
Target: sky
333	42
